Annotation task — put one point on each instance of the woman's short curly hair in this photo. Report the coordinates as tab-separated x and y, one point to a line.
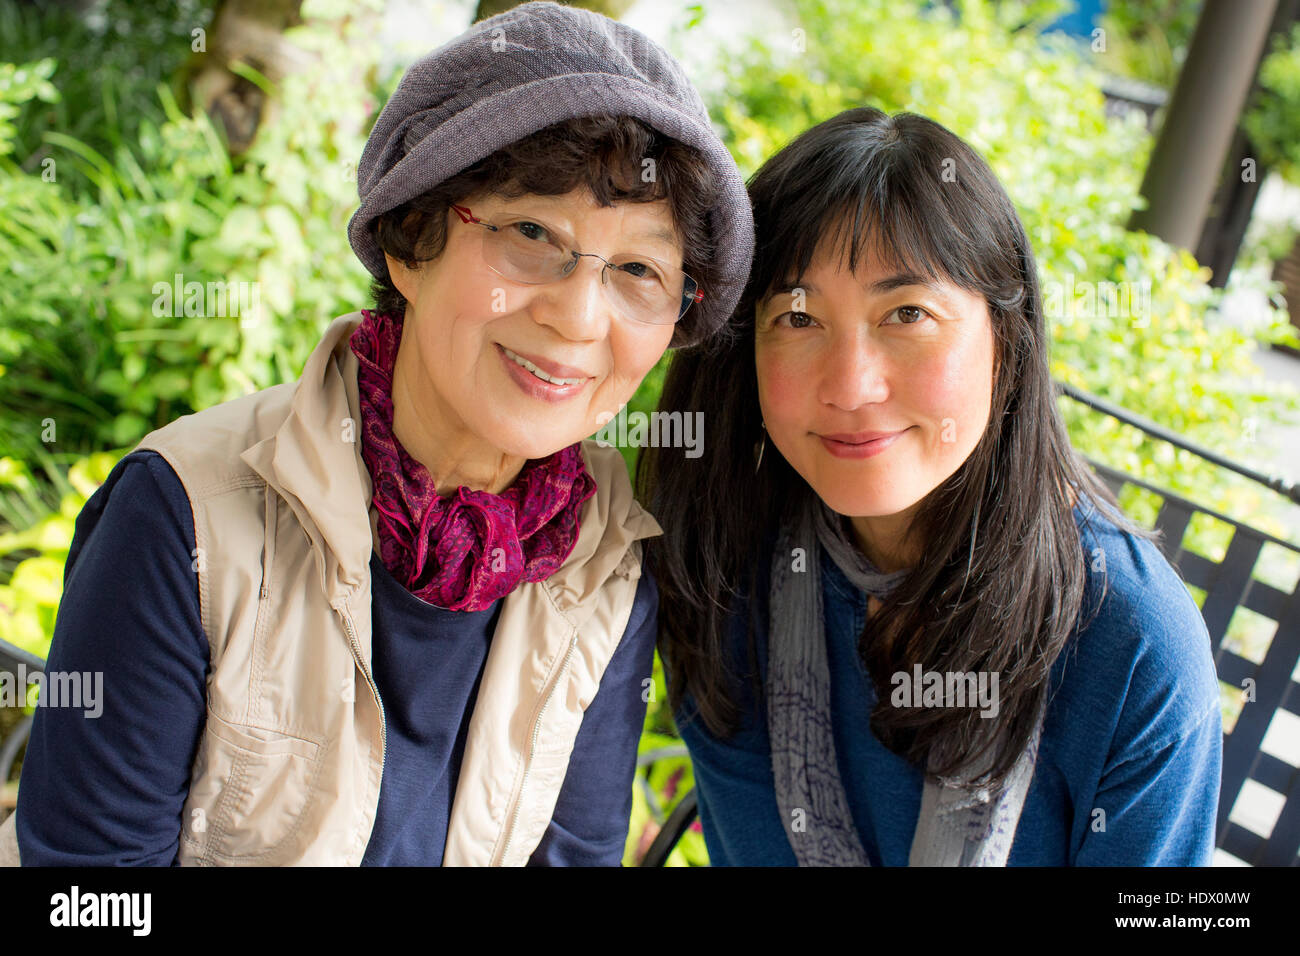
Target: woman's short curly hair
606	154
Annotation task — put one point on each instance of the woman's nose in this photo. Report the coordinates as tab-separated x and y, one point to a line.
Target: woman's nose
576	306
853	372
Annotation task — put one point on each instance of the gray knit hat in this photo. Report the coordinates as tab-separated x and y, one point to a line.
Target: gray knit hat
518	72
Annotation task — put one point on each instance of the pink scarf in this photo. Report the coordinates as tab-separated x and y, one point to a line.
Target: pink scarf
464	551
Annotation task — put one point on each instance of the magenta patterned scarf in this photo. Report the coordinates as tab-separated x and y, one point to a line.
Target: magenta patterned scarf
464	551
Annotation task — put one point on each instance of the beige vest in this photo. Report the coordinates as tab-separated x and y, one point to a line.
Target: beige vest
289	766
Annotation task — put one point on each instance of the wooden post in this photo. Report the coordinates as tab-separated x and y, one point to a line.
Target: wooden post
1202	118
1234	199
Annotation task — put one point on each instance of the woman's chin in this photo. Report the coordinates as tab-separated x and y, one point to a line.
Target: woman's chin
850	499
530	443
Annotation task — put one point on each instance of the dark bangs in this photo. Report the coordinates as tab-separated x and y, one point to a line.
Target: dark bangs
896	186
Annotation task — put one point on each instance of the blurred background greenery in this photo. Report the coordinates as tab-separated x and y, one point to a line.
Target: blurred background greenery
142	139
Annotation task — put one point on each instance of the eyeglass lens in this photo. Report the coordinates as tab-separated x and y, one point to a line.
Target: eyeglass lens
646	289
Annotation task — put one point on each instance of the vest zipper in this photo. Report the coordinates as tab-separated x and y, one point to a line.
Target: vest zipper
383	721
271	519
537	727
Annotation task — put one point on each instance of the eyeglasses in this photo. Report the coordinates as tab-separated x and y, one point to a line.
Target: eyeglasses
644	289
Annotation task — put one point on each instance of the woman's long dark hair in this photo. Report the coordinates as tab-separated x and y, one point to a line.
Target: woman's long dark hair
1003	580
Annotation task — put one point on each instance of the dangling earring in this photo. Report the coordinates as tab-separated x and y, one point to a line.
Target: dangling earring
758	449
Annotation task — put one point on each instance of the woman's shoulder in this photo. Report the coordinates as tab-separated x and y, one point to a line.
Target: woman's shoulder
645	607
1138	589
139	519
1140	664
146	495
142	510
209	444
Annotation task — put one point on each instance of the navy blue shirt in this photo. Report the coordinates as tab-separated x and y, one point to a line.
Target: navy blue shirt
111	790
1133	729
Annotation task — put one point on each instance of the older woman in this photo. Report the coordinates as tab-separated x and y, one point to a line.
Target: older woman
394	613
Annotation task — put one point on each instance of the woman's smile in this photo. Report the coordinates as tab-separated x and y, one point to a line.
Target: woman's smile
538	383
860	445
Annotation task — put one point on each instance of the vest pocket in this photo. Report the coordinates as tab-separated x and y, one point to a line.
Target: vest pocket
251	792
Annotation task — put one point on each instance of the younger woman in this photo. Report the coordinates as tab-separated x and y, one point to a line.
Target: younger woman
903	621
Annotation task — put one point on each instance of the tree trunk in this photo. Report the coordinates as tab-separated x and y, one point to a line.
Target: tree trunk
1201	119
1234	197
250	32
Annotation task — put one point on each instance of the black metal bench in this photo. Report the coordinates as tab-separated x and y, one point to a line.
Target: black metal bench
1228	585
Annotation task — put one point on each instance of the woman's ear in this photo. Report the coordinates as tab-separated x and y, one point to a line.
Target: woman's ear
406	278
406	275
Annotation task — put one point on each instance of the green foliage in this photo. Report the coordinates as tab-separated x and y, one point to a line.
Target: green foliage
111	61
1273	120
95	342
18	86
1148	39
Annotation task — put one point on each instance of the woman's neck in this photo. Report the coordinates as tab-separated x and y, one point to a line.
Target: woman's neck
882	540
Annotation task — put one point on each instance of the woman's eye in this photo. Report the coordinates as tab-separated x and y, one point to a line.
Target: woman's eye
641	270
797	320
909	314
531	230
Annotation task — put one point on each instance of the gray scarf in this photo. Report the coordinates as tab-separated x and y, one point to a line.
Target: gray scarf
955	827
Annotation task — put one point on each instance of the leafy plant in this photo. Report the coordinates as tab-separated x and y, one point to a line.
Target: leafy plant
112	58
187	279
1148	39
1273	120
